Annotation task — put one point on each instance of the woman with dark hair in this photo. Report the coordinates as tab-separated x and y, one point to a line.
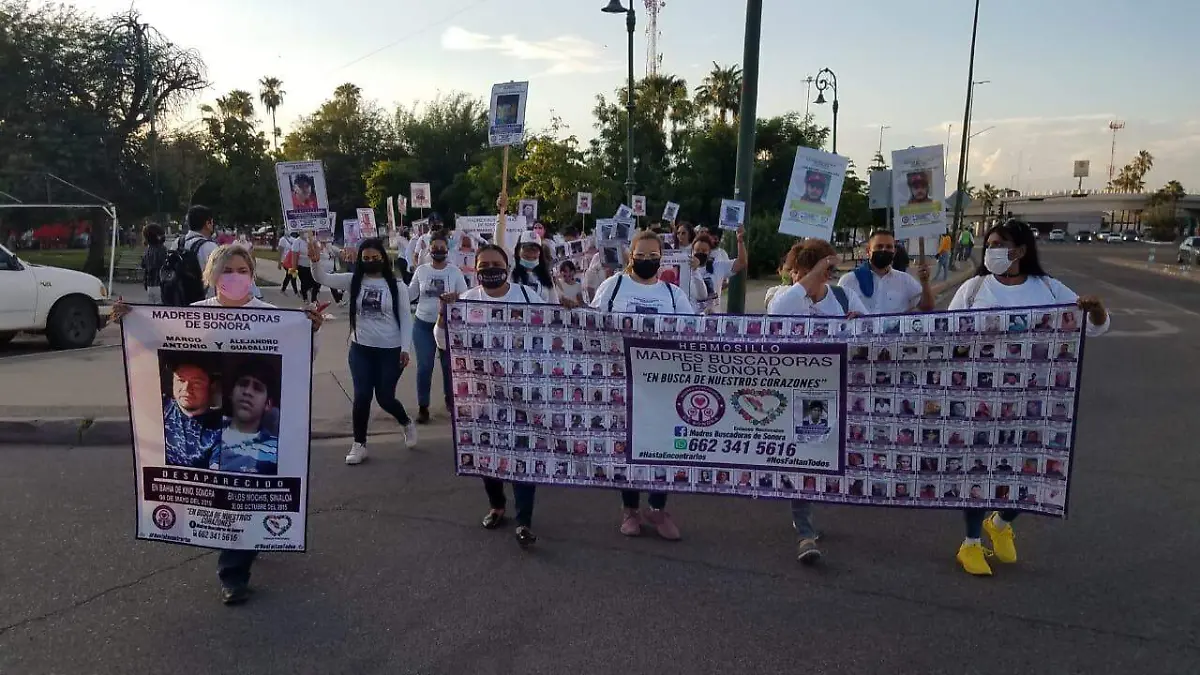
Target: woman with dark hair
380	338
491	268
638	290
433	283
152	261
532	268
685	234
1011	276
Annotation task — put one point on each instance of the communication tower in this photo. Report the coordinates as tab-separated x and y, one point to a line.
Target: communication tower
653	58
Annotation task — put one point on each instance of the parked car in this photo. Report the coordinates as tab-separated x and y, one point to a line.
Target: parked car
1131	235
1084	236
1057	235
69	307
1189	250
1113	238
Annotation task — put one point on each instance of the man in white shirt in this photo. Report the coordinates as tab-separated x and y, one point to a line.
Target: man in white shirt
309	288
884	290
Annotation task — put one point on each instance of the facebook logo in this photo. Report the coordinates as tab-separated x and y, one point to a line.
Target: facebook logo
681	431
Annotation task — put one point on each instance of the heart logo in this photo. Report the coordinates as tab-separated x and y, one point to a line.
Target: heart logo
759	406
277	525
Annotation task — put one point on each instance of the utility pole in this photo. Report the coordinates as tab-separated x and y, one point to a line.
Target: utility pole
747	121
962	158
1115	126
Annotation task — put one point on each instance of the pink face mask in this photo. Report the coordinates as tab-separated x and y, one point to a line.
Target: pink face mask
234	286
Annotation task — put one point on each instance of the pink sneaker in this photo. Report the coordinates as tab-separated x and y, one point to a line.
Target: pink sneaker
661	520
631	522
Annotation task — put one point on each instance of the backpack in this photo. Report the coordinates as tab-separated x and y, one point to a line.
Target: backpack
840	295
180	276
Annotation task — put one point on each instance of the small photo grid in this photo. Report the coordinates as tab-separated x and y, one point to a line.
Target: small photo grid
943	409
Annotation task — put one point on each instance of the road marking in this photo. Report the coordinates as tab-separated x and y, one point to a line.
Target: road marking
1140	296
1160	329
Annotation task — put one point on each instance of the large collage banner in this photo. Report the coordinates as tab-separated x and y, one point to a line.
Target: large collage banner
219	401
938	410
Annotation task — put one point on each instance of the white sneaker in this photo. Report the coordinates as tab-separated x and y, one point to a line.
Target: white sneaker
410	435
357	454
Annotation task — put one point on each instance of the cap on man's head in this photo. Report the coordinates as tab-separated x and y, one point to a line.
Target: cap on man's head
815	178
918	178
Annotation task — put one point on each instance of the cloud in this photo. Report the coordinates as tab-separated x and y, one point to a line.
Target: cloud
566	54
1029	121
989	162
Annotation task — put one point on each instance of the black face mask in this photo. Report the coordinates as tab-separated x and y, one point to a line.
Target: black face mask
702	258
438	256
646	269
372	266
882	259
492	277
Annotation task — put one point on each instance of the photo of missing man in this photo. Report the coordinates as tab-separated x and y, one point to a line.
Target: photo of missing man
815	185
221	412
918	186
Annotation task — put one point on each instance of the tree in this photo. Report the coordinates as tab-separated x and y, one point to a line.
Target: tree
445	139
271	95
553	171
185	163
1132	175
989	194
1142	163
878	163
245	189
77	93
721	91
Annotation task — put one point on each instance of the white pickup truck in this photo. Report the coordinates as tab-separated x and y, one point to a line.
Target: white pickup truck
69	307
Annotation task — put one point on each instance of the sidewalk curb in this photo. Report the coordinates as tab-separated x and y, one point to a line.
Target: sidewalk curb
84	431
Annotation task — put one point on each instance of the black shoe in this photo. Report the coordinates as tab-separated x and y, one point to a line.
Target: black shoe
235	596
525	536
493	519
423	415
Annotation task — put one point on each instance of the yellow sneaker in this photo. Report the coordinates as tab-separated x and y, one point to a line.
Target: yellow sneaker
972	559
1003	546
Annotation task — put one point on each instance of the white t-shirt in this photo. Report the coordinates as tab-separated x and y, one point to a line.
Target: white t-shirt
428	284
637	298
572	292
794	301
514	295
300	249
285	244
895	292
1036	291
547	293
375	322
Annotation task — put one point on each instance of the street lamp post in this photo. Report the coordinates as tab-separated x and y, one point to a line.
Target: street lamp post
615	7
881	128
827	80
962	158
971	114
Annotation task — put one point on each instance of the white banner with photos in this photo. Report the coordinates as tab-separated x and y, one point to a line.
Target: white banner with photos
940	410
219	401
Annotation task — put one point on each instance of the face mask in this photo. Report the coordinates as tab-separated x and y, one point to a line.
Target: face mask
234	286
529	264
996	260
646	269
372	266
702	258
492	277
438	256
882	259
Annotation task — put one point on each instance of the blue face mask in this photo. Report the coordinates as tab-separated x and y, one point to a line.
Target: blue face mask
529	264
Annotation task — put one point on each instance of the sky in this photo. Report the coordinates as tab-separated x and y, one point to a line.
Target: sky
1058	70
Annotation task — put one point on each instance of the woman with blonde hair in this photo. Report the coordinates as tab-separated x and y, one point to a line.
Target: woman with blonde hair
230	273
638	290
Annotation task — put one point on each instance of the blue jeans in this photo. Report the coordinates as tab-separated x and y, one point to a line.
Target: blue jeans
523	495
233	567
631	499
943	267
802	519
426	349
375	371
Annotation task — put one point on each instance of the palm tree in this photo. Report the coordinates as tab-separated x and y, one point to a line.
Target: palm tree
1142	163
664	97
271	94
721	91
988	194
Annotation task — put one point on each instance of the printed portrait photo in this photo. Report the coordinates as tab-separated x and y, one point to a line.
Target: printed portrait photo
221	411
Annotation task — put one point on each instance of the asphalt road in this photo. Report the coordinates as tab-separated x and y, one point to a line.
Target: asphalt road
400	578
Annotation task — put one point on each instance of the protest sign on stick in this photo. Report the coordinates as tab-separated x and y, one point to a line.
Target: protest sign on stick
302	194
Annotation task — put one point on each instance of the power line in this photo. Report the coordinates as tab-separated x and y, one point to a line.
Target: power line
412	34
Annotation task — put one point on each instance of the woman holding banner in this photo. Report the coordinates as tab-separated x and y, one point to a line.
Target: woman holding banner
381	334
811	266
433	283
230	271
1011	276
492	270
532	270
638	290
